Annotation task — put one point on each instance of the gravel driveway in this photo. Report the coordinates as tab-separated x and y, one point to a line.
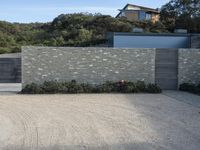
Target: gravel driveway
98	122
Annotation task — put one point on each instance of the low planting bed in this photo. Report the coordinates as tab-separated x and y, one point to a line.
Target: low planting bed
190	87
53	87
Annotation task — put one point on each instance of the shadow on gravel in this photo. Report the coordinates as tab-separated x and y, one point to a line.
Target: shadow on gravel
175	123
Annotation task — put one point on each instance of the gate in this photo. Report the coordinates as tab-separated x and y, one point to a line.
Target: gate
10	70
166	69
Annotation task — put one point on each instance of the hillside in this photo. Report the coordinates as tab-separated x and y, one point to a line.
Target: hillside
67	30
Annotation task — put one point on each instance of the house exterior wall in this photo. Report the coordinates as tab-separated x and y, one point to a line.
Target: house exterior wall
97	65
155	17
89	65
132	16
132	13
146	41
135	16
189	66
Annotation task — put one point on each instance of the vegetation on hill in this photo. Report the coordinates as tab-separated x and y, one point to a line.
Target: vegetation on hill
181	14
67	30
88	30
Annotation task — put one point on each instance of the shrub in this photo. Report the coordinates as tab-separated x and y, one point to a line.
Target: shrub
187	87
87	88
128	87
153	88
190	87
141	86
32	89
52	87
73	87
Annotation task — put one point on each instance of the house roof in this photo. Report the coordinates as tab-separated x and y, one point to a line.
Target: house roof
147	9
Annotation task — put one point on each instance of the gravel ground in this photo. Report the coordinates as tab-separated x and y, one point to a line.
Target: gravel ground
98	122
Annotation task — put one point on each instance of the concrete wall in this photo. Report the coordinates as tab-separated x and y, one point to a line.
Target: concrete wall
189	66
195	41
91	65
10	68
129	41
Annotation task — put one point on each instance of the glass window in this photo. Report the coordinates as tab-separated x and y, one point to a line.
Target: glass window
142	15
148	16
123	14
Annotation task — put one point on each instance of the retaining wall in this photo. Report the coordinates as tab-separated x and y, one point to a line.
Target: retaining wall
97	65
88	65
189	66
10	68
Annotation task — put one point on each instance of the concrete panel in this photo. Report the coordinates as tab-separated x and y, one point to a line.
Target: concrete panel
167	68
10	70
151	41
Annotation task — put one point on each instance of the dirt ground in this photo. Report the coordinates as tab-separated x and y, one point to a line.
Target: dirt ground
98	122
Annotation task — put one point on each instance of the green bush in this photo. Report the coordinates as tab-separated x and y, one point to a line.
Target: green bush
73	87
141	86
153	88
190	87
53	87
32	89
128	87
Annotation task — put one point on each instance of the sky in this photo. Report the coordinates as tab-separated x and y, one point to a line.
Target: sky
26	11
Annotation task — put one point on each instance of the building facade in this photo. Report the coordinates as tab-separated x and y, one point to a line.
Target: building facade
139	13
153	40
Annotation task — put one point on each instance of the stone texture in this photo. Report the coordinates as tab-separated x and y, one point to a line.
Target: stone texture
88	65
189	66
195	41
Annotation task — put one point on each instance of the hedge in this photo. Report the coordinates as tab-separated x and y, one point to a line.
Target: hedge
53	87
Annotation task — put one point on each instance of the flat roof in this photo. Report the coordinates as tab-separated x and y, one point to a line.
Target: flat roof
152	34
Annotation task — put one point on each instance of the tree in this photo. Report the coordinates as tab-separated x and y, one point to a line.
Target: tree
84	35
181	14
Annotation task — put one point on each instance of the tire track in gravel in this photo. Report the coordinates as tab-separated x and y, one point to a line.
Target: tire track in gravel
111	122
85	122
99	118
24	123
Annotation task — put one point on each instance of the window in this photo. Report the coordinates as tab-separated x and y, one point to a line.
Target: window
148	16
123	14
142	15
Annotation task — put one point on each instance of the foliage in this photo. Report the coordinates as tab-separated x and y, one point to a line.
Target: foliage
83	29
33	89
182	14
190	87
68	30
53	87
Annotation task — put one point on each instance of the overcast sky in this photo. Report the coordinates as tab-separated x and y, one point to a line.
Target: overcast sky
46	10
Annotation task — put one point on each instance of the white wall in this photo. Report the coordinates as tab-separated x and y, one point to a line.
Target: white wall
121	41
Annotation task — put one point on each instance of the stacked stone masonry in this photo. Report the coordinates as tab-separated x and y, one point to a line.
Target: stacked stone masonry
189	66
87	65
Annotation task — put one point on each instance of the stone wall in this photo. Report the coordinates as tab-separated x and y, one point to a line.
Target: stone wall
195	41
88	65
189	66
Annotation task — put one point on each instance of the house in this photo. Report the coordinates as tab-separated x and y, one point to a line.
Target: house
139	13
153	40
